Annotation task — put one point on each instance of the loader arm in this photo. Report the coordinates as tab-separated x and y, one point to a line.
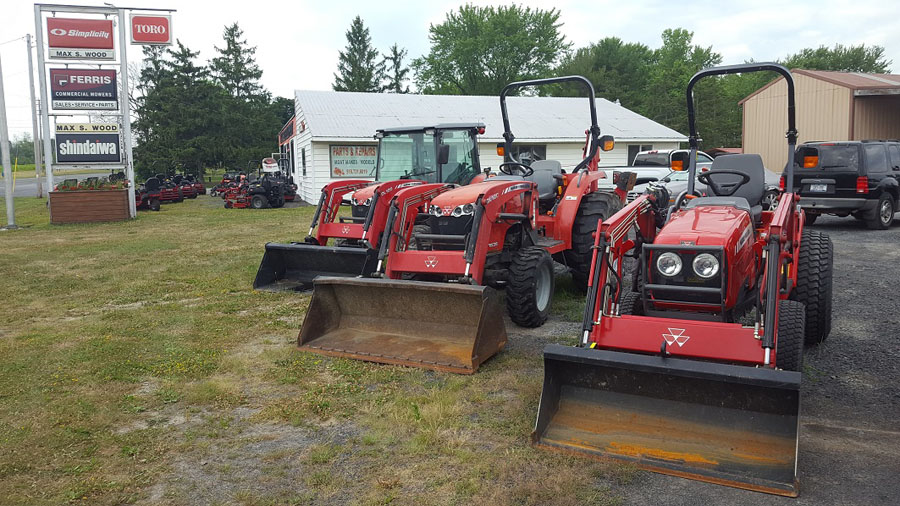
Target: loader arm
329	204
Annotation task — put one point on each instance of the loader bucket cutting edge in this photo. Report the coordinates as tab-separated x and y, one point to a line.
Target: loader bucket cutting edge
726	424
287	267
440	326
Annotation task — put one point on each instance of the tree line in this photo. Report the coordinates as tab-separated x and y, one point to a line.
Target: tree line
478	50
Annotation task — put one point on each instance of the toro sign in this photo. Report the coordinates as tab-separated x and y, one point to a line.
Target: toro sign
156	30
81	39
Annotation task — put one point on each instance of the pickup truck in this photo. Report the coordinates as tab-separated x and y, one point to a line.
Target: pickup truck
656	164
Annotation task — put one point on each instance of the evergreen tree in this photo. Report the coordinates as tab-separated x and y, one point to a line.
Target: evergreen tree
235	68
395	71
358	68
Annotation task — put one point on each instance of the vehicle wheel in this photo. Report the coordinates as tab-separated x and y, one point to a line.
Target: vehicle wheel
259	202
770	200
789	341
531	285
228	204
212	193
630	303
154	204
884	214
811	218
193	196
416	244
814	284
594	207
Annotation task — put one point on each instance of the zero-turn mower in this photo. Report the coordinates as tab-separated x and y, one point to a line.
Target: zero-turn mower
693	366
147	195
439	307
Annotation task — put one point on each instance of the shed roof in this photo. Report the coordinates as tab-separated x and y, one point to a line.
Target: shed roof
853	80
333	114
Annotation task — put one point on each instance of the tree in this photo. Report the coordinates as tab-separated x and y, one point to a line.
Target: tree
478	50
618	71
861	58
235	68
358	68
395	71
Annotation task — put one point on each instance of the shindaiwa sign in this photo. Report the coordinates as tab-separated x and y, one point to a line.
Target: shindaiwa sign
87	143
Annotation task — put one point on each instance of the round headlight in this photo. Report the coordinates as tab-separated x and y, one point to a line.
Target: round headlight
368	201
458	211
469	208
668	264
437	211
706	265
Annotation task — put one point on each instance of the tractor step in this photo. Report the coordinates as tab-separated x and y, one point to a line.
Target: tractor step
546	243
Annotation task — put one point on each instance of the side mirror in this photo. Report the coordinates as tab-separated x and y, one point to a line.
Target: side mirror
443	154
607	143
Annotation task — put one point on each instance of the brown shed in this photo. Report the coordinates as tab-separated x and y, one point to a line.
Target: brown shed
831	106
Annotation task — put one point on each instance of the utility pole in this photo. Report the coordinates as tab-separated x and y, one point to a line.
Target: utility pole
34	121
4	154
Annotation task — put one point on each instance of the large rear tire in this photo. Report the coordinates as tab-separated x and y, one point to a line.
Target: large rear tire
531	286
593	208
814	284
259	202
789	342
154	204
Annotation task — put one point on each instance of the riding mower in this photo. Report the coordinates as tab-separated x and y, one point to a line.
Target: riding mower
407	156
147	195
186	187
438	307
228	179
692	368
196	184
260	193
168	190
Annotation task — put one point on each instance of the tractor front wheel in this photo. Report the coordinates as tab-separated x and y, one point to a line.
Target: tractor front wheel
258	202
531	285
789	341
593	208
630	303
814	284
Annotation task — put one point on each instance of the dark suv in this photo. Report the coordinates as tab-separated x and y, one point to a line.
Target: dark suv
858	178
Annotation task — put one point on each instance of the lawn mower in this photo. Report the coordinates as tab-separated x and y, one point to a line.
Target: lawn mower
228	179
407	156
692	368
196	184
147	195
187	187
438	307
168	190
259	193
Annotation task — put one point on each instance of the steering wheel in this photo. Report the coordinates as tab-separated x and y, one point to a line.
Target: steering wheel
516	169
726	189
685	196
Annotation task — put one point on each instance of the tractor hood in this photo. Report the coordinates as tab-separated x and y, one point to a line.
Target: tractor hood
364	194
704	226
470	193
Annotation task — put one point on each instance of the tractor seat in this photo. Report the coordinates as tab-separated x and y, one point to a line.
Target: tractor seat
544	176
749	196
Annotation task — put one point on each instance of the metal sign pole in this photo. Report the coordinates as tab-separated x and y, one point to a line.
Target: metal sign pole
34	120
126	112
45	104
4	154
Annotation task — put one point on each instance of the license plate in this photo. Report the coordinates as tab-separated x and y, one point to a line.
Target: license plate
818	187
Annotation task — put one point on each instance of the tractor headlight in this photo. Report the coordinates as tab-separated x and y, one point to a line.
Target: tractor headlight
668	264
464	210
437	211
706	265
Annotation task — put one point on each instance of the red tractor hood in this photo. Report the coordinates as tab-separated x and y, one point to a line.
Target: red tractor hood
704	226
470	193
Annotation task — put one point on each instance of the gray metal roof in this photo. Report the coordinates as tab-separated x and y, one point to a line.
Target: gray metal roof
351	115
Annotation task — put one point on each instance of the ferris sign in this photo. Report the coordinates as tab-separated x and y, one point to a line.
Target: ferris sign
82	39
156	30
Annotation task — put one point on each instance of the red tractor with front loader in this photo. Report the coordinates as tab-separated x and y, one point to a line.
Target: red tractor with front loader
436	306
349	219
693	366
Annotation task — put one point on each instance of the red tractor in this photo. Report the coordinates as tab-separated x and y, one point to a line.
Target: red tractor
501	233
693	367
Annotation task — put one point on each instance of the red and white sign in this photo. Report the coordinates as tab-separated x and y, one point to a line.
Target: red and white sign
82	39
156	30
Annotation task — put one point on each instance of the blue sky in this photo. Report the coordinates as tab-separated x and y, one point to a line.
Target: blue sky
298	41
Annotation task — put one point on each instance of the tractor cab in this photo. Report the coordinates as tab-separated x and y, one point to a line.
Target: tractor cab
446	153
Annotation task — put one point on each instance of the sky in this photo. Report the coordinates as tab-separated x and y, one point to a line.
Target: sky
298	41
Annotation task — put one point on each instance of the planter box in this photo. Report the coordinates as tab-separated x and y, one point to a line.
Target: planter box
87	206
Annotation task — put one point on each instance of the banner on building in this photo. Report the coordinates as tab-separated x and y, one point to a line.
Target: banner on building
353	161
83	89
151	29
87	143
81	39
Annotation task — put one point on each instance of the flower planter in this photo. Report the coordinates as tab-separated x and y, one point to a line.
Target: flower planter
87	206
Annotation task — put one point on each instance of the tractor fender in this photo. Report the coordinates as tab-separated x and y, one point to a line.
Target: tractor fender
571	200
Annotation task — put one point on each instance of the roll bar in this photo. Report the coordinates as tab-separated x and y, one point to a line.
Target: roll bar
594	130
694	138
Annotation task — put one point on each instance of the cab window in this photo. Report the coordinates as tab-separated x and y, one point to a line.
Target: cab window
460	167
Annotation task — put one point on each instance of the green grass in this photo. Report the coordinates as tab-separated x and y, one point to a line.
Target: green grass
131	352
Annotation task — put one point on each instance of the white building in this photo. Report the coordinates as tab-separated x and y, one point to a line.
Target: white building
328	123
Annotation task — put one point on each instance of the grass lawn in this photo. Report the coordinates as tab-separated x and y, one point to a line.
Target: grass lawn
138	366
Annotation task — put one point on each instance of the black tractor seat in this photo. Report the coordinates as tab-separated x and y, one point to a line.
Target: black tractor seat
749	196
545	176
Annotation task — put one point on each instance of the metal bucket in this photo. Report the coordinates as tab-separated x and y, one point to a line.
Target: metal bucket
440	326
287	267
727	424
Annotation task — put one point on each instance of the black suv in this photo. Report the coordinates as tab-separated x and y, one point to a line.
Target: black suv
844	178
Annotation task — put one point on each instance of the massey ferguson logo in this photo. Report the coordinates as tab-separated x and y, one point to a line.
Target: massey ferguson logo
431	262
675	336
345	230
447	210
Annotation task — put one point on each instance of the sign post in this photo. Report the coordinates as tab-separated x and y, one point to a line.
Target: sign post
4	157
126	114
34	121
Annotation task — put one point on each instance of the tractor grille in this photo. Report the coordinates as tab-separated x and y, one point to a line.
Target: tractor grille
686	286
359	211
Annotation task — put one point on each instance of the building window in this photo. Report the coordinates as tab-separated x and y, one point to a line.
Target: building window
634	149
303	160
529	153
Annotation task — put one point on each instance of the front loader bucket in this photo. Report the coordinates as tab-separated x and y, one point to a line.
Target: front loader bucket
440	326
726	424
287	267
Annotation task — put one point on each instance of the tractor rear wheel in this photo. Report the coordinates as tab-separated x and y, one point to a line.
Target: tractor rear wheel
814	284
789	341
630	303
154	205
594	207
258	202
530	288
